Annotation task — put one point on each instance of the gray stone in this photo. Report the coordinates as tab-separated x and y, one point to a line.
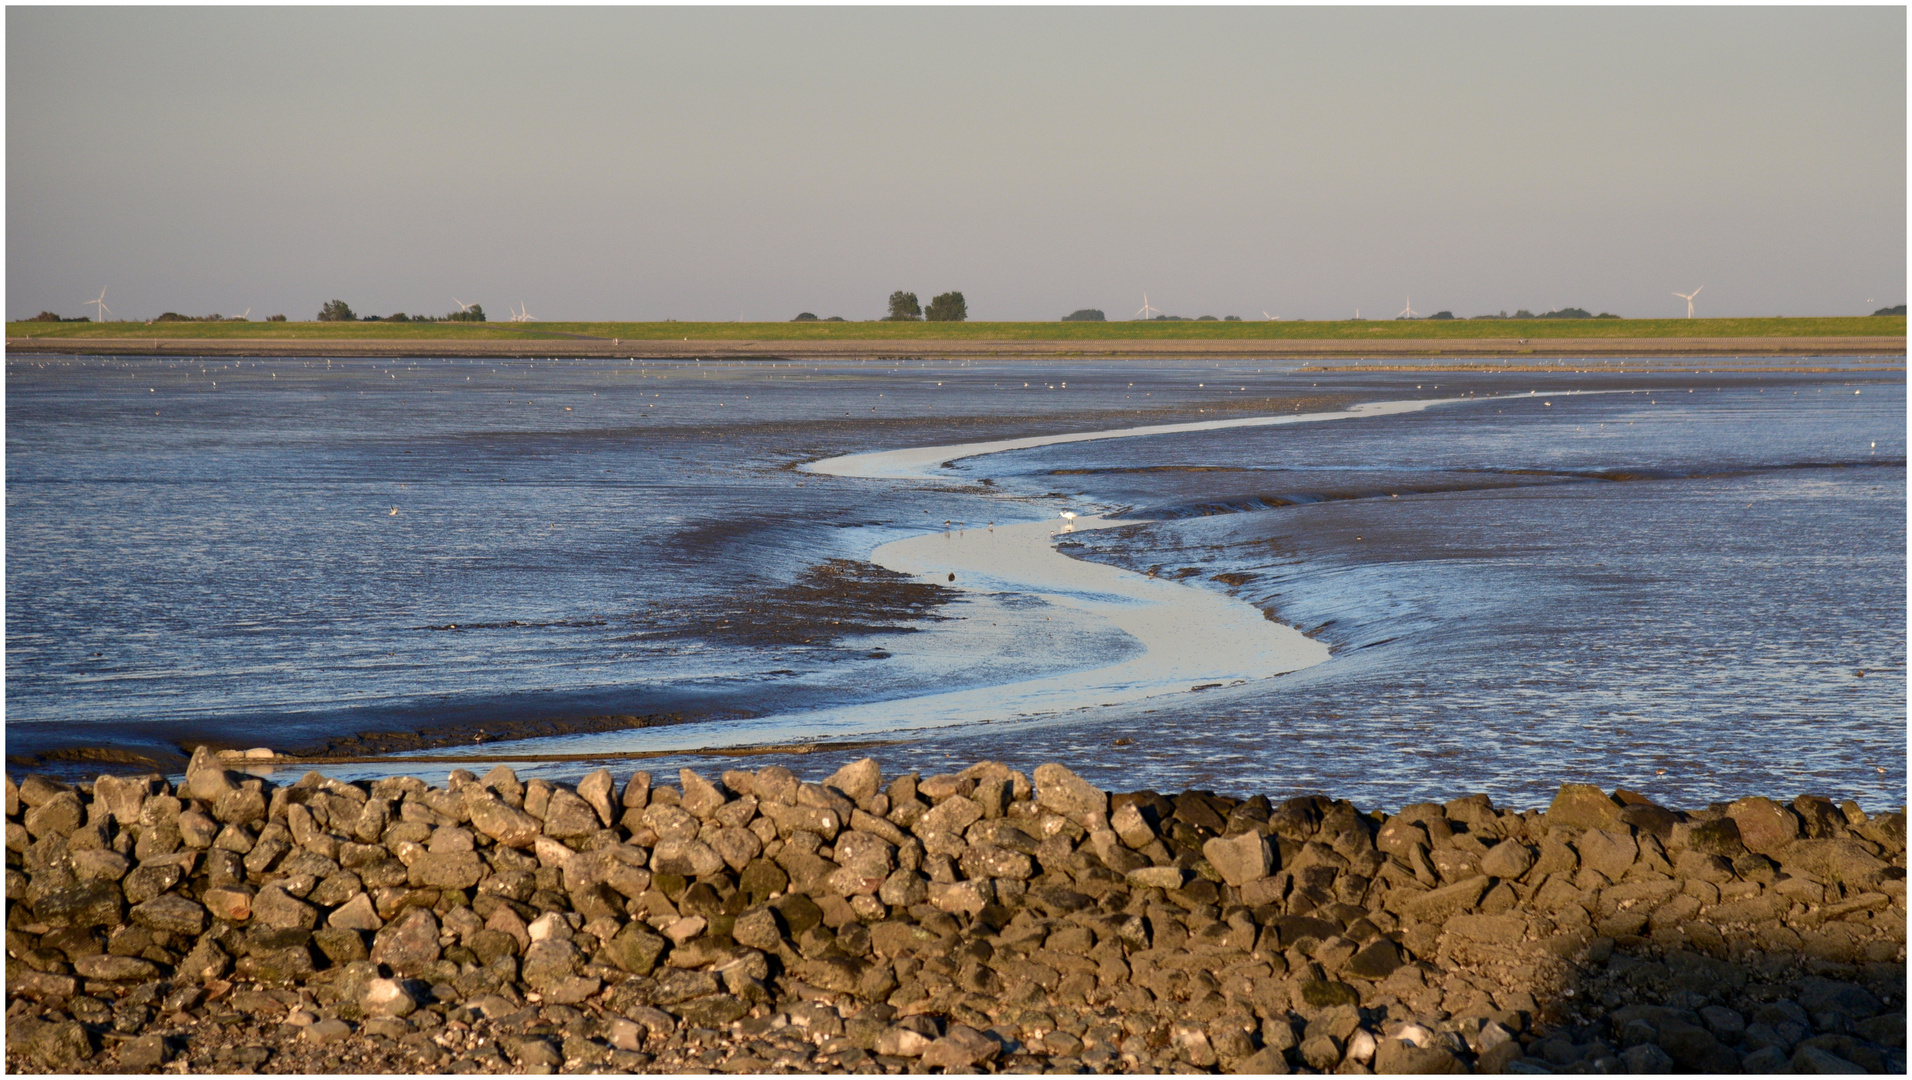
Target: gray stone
507	826
1396	1056
1067	794
54	1048
95	903
115	968
859	780
1239	859
1648	1058
549	961
1811	1059
597	790
568	817
1507	860
961	1047
409	943
388	997
57	816
326	1032
701	798
446	869
688	858
355	914
273	907
144	1053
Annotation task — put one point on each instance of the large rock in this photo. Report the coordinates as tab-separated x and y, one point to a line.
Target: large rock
355	914
568	817
58	816
1764	826
1399	1057
1507	860
172	913
1611	852
1583	806
961	1047
599	790
206	776
1067	794
275	908
1239	859
508	826
409	943
447	870
1842	860
90	905
686	858
1439	905
859	780
701	797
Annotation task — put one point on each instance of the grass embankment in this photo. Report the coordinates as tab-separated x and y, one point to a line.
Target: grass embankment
1346	330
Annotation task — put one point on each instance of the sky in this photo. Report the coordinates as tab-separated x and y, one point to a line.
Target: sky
753	163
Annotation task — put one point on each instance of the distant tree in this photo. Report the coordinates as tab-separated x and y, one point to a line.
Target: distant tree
45	316
1896	309
275	318
1231	318
1523	313
1206	318
1606	315
1566	313
475	313
400	317
948	307
1087	314
834	318
903	307
1442	315
805	316
174	316
333	311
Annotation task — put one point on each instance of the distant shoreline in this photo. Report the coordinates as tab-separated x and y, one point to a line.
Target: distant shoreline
1443	349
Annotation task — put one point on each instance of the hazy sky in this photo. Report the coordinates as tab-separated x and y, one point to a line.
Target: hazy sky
747	162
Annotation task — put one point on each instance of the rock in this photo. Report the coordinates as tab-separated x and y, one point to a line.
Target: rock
701	798
409	943
273	907
1323	994
447	869
902	1042
146	1052
230	903
58	816
1398	1057
1157	877
568	817
326	1032
1717	837
96	903
206	962
206	777
686	858
1764	826
172	913
597	790
1841	860
1239	859
1131	827
1811	1059
1508	860
1439	905
355	914
510	827
1611	852
115	968
859	781
1583	806
961	1047
1647	1058
1377	960
1071	796
55	1047
388	997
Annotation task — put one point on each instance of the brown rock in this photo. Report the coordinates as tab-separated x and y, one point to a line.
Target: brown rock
1764	826
859	781
961	1047
597	790
701	798
232	903
272	907
171	913
1507	860
1583	806
568	817
1239	859
446	869
356	914
1611	852
507	826
57	816
1067	794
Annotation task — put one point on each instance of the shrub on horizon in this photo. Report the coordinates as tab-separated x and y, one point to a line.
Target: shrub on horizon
1087	314
1896	309
805	316
903	307
949	307
275	318
333	311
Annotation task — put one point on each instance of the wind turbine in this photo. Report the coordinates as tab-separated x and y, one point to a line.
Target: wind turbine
247	316
100	315
1688	297
462	306
1407	310
1146	309
523	314
1271	318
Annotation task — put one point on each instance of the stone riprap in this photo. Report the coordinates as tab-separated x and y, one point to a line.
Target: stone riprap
977	921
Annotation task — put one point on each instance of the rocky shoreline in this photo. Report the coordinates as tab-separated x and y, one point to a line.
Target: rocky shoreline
981	921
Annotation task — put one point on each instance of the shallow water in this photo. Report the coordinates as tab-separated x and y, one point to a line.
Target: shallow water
190	558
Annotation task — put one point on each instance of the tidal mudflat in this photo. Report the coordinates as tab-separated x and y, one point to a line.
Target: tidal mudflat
1671	583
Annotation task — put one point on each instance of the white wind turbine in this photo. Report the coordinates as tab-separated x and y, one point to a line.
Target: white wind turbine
462	306
1271	318
1407	310
1688	297
103	311
1146	309
523	315
247	316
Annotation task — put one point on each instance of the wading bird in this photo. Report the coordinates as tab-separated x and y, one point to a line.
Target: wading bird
1068	517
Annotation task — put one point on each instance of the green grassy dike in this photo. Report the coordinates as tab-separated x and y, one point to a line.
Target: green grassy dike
1346	330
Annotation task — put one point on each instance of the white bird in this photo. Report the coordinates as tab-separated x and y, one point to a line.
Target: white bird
1068	518
394	512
